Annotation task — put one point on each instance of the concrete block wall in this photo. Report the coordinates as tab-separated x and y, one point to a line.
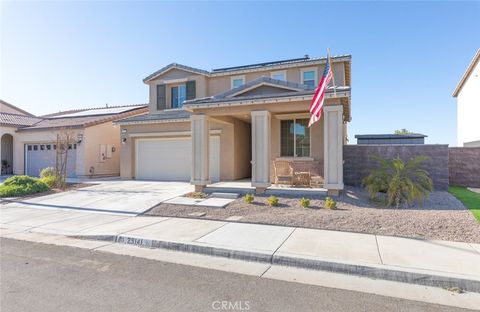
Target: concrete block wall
358	162
464	166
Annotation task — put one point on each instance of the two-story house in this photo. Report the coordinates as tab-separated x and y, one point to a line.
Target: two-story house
467	93
234	123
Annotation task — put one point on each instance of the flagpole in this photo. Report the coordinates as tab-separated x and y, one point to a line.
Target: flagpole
333	74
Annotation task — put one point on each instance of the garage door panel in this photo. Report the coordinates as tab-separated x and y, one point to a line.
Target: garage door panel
171	159
38	159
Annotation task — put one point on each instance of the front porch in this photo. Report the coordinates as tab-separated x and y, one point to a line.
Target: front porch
245	186
278	137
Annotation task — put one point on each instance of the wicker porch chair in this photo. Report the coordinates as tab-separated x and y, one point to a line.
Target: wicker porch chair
283	172
302	173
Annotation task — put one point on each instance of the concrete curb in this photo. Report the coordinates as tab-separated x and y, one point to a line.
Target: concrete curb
442	281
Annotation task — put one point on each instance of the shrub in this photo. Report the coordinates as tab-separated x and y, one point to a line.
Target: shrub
196	195
248	198
330	203
272	201
402	182
22	185
51	181
48	172
305	202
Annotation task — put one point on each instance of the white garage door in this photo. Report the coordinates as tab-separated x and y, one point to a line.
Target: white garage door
40	156
171	159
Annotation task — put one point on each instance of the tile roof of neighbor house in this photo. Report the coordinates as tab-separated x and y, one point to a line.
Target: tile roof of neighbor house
16	108
467	73
87	118
15	120
258	66
168	115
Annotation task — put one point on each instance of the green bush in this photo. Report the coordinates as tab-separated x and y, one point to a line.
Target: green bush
305	202
22	185
272	201
48	172
330	203
248	198
51	181
402	182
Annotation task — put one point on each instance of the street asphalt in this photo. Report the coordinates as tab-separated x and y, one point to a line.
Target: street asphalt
39	277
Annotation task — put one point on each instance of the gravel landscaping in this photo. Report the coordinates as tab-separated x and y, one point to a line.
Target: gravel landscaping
441	217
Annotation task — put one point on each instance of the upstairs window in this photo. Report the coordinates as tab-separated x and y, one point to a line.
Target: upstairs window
309	77
238	81
279	75
179	95
294	138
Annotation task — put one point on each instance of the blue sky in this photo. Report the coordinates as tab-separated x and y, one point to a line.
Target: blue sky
407	57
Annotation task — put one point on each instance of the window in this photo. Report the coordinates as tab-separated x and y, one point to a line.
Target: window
294	138
35	147
238	81
49	147
279	75
309	77
161	97
179	94
29	147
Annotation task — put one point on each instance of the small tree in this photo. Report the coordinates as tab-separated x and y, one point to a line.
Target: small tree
402	182
64	142
403	131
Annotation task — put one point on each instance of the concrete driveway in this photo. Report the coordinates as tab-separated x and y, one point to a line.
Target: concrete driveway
123	197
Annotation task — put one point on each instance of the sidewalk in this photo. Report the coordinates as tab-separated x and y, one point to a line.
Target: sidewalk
431	263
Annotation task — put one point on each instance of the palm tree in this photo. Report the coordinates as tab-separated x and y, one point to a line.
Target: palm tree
403	183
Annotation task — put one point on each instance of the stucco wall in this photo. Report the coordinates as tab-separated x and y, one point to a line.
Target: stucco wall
243	148
107	134
468	109
464	166
358	162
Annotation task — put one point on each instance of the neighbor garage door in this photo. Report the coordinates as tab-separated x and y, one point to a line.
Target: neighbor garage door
39	156
171	159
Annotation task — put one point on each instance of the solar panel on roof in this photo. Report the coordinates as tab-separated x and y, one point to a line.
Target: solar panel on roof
96	112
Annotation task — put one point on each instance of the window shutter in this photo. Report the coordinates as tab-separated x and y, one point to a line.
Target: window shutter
191	89
161	97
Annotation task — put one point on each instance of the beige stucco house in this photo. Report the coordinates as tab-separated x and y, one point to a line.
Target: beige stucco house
29	143
234	123
467	93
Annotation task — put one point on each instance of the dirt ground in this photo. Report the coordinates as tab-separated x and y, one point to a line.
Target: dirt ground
440	217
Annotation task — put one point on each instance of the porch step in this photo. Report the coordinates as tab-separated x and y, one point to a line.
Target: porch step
236	190
225	195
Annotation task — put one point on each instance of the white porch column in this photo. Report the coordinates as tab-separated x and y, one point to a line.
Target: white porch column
261	150
200	126
333	148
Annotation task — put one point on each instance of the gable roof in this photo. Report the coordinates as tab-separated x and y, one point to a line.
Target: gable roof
175	66
16	120
21	111
86	117
263	81
467	73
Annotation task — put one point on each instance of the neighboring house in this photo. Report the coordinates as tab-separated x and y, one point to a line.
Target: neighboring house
233	123
11	117
467	93
93	152
390	139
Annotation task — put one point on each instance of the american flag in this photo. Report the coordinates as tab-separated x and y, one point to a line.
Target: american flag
316	106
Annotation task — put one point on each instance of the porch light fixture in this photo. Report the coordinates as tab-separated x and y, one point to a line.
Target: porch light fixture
124	140
79	138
